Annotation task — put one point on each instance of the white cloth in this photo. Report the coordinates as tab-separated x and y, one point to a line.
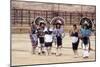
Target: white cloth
85	50
85	47
50	29
74	39
48	38
85	53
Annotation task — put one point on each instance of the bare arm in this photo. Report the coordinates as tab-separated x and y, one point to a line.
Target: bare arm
70	32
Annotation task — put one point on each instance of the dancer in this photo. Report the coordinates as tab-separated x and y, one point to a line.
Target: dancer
75	39
85	33
40	23
59	35
33	36
41	34
48	39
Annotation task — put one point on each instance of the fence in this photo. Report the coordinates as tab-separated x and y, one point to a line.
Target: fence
21	19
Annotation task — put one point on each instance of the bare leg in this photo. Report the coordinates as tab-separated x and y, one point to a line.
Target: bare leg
42	49
75	53
33	50
46	51
58	53
57	50
49	50
39	49
85	51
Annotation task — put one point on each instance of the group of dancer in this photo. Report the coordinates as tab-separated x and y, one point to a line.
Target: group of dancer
44	33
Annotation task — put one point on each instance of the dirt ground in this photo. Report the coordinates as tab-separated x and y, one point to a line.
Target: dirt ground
21	52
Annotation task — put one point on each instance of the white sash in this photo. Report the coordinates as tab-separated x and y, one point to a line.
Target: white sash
74	39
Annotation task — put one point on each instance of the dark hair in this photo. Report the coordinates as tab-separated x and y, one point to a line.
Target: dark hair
42	23
32	22
74	25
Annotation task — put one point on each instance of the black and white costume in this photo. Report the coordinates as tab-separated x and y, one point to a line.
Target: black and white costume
75	40
48	37
41	42
40	21
40	34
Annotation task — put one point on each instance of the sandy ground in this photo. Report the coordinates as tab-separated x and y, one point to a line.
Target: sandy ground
21	52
